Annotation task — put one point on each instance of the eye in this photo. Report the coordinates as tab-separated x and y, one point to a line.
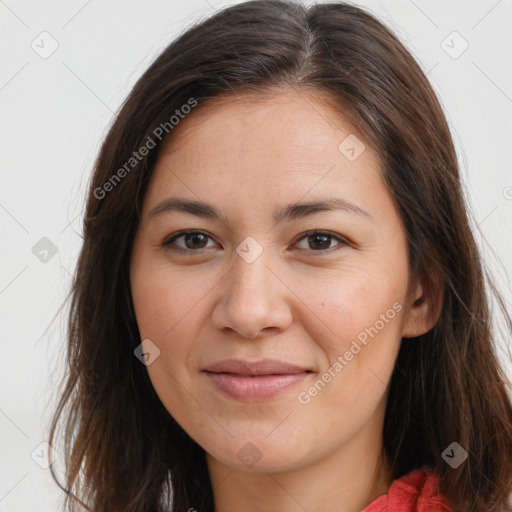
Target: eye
194	240
320	241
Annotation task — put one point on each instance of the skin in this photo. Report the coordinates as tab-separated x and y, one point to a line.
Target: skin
302	300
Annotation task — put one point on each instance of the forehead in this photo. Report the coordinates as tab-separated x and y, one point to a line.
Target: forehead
276	146
279	117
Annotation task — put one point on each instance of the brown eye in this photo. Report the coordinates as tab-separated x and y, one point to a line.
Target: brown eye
318	241
192	241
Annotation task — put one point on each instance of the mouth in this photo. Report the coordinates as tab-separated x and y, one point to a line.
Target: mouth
258	375
255	381
256	368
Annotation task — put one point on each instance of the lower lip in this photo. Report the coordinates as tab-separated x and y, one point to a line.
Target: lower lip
254	388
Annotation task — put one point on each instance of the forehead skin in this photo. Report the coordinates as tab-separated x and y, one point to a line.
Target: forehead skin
239	140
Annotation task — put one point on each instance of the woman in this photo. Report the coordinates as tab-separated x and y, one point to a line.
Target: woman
327	344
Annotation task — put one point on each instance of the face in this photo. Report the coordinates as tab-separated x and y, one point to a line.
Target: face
321	289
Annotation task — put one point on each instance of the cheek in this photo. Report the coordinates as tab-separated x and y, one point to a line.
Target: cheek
364	317
364	314
167	308
171	307
356	302
166	301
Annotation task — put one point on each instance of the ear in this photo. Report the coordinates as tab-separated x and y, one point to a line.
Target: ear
424	309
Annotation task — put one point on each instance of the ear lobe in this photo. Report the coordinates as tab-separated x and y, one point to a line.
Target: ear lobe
423	313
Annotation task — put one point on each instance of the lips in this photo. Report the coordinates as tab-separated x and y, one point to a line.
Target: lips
254	381
262	367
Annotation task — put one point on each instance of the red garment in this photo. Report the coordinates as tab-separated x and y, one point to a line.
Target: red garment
415	492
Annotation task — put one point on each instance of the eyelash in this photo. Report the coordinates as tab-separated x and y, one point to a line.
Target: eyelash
167	244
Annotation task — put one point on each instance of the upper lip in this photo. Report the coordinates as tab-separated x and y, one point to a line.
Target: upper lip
261	367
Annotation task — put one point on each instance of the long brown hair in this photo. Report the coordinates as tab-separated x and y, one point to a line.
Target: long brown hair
123	451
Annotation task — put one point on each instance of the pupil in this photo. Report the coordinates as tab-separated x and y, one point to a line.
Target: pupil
324	237
195	237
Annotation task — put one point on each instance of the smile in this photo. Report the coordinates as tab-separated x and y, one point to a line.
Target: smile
254	387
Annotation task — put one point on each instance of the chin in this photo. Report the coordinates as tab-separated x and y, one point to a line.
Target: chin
258	455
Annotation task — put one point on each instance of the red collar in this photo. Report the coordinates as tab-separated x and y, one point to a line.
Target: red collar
415	492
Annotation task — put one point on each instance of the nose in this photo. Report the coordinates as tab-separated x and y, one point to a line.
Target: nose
255	301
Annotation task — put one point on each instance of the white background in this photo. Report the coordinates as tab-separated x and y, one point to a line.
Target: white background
54	115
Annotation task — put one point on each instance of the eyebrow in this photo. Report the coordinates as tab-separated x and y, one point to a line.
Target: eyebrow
289	212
